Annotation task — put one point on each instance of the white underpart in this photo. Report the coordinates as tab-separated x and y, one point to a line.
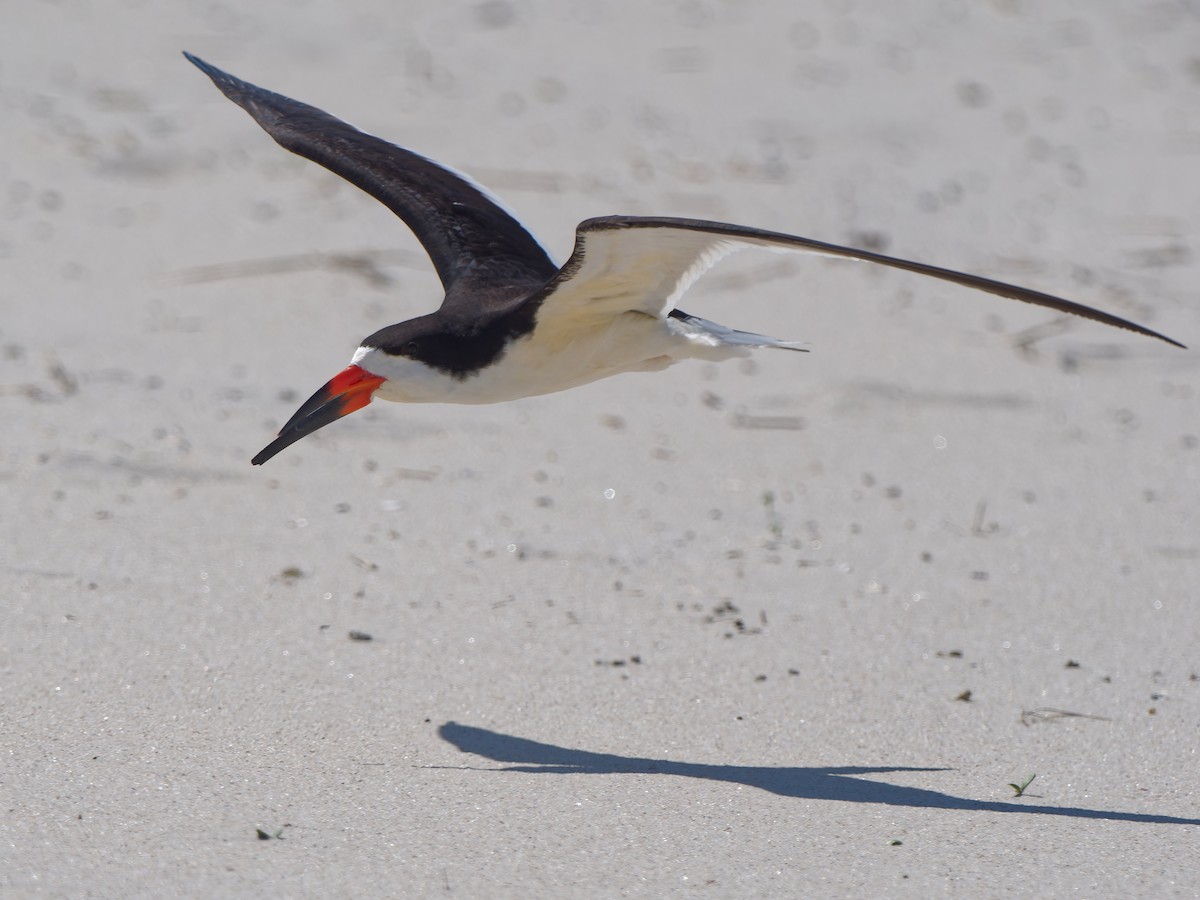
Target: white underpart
611	316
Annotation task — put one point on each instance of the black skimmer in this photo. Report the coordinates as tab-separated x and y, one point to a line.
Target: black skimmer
513	324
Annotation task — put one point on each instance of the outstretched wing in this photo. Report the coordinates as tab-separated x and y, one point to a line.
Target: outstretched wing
623	263
465	231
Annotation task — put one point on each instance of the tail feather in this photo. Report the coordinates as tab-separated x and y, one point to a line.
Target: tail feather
732	337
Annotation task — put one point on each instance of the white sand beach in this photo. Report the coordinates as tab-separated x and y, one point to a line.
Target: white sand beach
780	628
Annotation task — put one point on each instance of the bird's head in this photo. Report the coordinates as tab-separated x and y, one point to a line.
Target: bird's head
403	363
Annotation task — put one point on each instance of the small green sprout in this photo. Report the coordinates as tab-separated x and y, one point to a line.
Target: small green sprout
1020	788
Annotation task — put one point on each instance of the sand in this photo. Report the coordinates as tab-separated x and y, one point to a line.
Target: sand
781	628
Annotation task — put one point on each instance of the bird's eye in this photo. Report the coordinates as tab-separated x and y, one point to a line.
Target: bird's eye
410	348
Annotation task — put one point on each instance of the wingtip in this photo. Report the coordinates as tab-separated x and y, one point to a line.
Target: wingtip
197	62
228	84
219	78
1141	329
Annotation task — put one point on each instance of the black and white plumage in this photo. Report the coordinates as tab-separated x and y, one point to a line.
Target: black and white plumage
513	324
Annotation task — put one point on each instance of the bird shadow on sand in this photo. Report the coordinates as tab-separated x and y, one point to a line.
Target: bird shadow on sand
837	783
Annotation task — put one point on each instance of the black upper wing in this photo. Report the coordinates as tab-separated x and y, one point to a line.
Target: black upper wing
464	231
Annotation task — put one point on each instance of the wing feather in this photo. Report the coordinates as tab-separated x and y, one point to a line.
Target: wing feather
623	263
465	231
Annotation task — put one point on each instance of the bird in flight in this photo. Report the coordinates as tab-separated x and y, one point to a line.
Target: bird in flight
513	323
